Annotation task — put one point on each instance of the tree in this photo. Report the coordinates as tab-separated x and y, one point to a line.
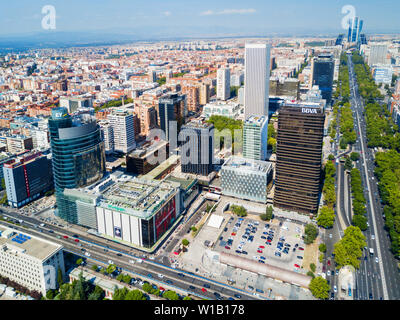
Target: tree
147	287
319	288
348	250
322	247
170	295
321	257
50	294
187	298
79	261
120	294
238	210
135	295
326	217
311	274
185	242
120	277
331	157
127	278
97	294
348	165
111	268
310	233
94	267
360	221
313	267
354	156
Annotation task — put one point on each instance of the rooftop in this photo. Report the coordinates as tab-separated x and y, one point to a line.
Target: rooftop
248	165
258	120
23	243
138	196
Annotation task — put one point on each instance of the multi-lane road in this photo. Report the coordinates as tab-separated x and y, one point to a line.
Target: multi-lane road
378	277
123	257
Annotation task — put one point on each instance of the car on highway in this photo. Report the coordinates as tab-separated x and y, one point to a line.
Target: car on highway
76	240
110	262
168	281
87	254
296	265
301	248
65	237
237	295
181	274
206	285
376	259
334	289
192	288
160	275
373	237
370	296
227	247
337	272
203	289
328	273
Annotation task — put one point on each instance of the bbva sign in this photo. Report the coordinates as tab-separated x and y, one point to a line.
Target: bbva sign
308	110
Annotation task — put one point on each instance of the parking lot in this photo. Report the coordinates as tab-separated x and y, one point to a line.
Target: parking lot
278	242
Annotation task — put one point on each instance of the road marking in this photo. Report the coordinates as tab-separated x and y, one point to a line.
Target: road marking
385	292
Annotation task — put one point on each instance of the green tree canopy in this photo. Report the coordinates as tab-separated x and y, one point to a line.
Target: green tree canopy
319	288
348	250
310	233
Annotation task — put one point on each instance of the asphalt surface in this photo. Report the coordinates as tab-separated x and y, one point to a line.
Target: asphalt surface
102	253
382	279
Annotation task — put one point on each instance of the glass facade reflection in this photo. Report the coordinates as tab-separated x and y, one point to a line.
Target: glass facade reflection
78	157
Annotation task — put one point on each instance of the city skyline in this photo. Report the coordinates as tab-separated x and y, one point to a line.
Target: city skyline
172	19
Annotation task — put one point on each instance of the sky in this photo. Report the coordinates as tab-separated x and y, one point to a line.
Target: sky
205	17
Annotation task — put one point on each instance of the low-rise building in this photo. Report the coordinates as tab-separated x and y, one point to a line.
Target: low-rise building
27	178
245	178
31	261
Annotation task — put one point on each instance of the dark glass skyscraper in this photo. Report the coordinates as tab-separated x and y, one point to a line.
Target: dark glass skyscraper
298	158
197	149
78	157
322	75
171	107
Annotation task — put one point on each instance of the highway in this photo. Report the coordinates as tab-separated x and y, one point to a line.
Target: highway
380	279
122	257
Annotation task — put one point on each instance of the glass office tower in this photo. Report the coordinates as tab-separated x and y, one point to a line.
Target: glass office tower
78	157
322	75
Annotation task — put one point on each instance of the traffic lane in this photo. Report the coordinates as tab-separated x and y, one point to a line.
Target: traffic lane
95	250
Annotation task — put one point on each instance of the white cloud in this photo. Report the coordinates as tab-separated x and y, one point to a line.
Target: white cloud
228	11
167	13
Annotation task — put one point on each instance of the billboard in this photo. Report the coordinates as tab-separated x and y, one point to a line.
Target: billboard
117	232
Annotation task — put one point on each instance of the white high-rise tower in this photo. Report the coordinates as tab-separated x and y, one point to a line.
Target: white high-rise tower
256	79
223	83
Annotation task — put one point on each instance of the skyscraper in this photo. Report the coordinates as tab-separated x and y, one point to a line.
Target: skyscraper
322	72
255	135
171	107
298	157
377	54
256	79
223	83
78	156
197	149
123	130
354	31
